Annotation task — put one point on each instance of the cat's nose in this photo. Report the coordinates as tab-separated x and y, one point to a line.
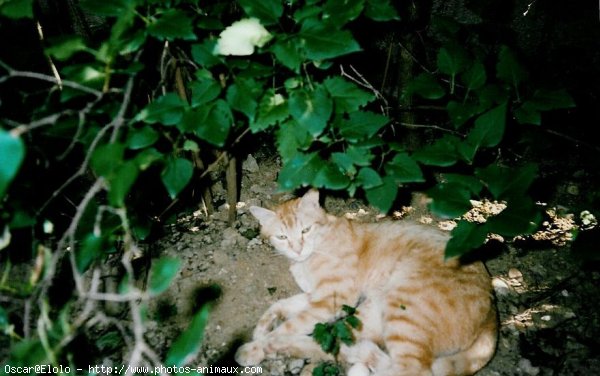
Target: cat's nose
297	248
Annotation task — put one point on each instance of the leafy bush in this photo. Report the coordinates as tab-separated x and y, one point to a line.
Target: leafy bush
163	92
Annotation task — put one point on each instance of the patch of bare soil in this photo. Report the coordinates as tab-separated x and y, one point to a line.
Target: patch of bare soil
548	303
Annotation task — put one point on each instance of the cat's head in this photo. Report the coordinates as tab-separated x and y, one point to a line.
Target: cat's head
293	227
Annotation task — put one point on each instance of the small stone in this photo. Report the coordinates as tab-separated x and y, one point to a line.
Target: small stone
296	365
527	368
250	164
515	273
564	293
546	318
500	287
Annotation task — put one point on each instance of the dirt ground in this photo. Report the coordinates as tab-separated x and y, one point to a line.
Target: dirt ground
548	303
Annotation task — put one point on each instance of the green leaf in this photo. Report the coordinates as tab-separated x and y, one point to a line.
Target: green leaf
147	157
330	177
426	86
311	109
217	125
528	114
323	336
167	109
162	273
120	182
474	77
368	178
506	182
291	137
321	41
272	109
353	321
466	236
450	200
344	162
268	11
381	10
287	53
362	124
340	12
546	100
106	158
347	96
187	345
489	128
202	53
404	169
194	118
361	156
139	138
243	96
65	47
452	59
383	196
520	217
90	250
460	113
300	171
471	183
542	100
12	153
204	90
441	153
17	9
343	332
508	69
176	174
172	24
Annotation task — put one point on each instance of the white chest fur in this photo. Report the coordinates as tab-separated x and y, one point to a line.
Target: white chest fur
302	276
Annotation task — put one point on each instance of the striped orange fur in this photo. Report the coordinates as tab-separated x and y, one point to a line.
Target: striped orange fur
421	315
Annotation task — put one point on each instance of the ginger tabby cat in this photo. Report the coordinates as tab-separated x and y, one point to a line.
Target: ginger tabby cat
420	315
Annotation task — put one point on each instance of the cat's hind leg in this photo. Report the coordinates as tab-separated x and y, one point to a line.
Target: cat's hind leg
279	312
469	361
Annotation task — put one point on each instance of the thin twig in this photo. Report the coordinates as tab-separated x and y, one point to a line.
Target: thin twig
12	73
431	126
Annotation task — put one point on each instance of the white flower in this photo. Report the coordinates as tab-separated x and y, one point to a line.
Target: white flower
241	37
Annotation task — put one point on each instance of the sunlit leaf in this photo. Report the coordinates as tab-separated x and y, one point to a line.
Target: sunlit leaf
187	345
12	153
403	169
141	137
450	200
466	236
311	109
167	110
272	109
347	96
362	124
162	273
172	24
383	196
322	42
268	11
300	171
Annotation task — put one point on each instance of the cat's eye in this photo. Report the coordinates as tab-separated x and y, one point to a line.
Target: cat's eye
306	229
281	237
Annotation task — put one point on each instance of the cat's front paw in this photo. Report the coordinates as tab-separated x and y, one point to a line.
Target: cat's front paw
250	354
265	325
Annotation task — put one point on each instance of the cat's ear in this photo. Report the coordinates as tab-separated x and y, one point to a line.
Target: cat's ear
310	200
263	215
